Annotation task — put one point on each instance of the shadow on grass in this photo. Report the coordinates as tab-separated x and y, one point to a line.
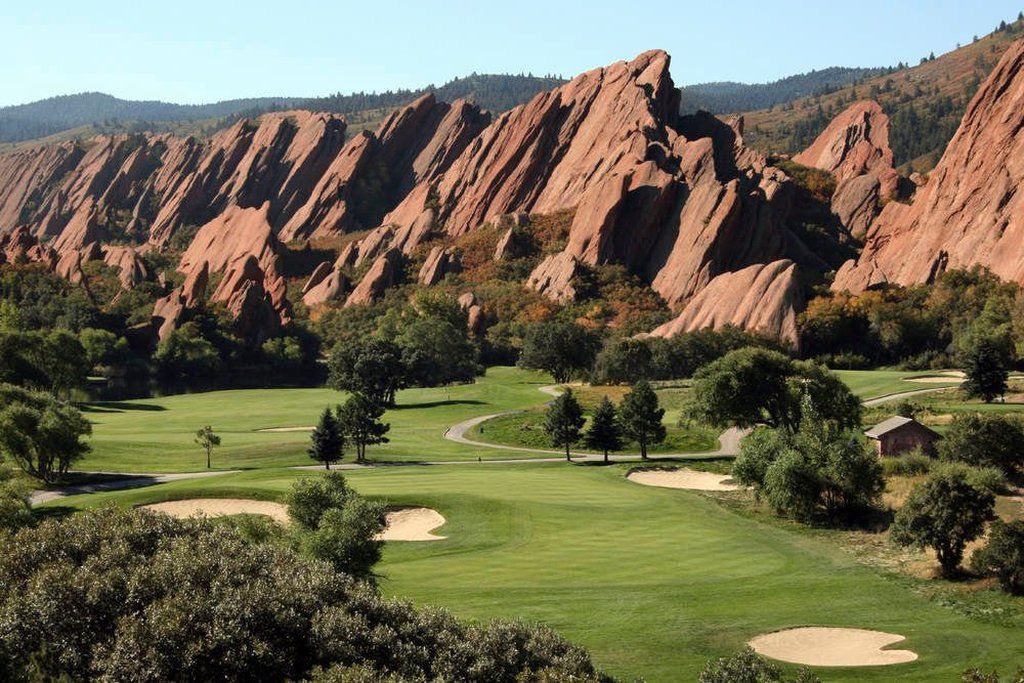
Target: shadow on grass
118	407
436	404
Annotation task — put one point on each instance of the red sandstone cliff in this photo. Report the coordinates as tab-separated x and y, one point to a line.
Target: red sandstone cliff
971	210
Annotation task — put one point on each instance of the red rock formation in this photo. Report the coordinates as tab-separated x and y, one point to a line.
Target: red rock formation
327	283
855	149
854	143
764	298
971	210
440	262
169	311
384	273
131	268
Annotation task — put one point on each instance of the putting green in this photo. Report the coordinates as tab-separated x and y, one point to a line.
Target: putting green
653	581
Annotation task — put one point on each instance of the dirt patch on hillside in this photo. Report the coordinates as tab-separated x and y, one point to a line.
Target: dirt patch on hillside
817	646
693	480
220	507
412	524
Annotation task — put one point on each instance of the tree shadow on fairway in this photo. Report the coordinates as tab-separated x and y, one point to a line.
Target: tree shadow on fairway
118	407
436	404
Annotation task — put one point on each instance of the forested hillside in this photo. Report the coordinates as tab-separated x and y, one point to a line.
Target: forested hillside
728	97
925	102
104	113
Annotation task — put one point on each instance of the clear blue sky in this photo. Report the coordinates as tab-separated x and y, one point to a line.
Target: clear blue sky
191	51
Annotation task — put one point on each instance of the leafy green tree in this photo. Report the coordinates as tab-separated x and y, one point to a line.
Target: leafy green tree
347	536
564	422
359	419
641	417
1003	555
39	434
818	468
746	666
623	361
986	441
562	348
328	440
986	369
945	512
754	386
371	366
64	362
604	433
186	354
103	347
436	353
207	440
310	497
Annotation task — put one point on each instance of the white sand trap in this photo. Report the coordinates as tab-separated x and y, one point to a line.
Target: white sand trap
935	379
286	429
412	524
219	507
816	646
683	479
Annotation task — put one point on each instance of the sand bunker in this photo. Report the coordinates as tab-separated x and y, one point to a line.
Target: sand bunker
412	524
815	646
936	379
219	507
683	479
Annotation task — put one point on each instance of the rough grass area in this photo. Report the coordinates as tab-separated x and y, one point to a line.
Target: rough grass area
653	581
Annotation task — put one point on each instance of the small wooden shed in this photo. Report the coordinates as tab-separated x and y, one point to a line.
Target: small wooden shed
898	435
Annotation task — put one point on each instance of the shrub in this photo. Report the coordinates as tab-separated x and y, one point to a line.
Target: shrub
912	464
986	441
1003	556
746	666
132	595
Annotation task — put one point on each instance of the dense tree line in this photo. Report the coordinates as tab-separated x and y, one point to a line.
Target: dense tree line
729	97
924	326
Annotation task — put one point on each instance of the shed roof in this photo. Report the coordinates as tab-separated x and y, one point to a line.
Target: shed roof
892	424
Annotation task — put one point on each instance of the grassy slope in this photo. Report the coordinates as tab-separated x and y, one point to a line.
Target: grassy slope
770	130
653	581
156	435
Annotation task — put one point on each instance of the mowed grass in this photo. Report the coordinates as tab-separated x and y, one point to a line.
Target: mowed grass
157	435
868	384
654	582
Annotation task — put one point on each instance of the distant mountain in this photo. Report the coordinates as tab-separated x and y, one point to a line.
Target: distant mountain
107	113
729	97
55	114
925	103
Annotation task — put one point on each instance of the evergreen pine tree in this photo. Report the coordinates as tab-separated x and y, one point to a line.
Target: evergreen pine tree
986	371
604	433
328	443
641	416
564	422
